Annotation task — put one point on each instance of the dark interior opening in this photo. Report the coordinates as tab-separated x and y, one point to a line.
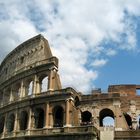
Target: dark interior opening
39	118
86	117
128	120
2	120
10	123
58	114
23	120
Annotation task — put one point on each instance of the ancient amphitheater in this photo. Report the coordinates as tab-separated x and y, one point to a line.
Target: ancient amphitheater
34	106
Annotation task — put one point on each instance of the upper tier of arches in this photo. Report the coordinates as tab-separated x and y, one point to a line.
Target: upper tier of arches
32	53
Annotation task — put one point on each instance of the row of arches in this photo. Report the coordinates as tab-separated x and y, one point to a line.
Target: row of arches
26	88
38	116
43	85
106	118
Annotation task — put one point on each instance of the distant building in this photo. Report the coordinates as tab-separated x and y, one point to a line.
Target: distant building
33	105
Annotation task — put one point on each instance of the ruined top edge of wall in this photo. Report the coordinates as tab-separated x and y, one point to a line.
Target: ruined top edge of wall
24	44
29	54
129	89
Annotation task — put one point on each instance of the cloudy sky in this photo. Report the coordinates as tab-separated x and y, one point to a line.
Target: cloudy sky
96	41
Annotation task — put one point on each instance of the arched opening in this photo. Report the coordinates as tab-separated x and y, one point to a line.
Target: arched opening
30	88
106	117
23	120
86	118
77	102
39	118
108	121
44	84
2	120
10	123
58	116
128	120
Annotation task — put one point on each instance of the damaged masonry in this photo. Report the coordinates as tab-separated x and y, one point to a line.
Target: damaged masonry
33	104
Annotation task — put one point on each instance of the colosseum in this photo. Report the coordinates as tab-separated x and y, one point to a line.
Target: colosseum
34	106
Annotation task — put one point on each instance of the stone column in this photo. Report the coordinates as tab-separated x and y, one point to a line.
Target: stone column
22	90
5	125
47	118
50	80
16	124
51	122
79	117
67	113
11	94
4	100
31	120
36	85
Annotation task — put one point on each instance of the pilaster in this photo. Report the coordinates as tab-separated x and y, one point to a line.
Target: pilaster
50	80
36	85
11	95
68	113
22	89
47	115
5	126
16	124
31	120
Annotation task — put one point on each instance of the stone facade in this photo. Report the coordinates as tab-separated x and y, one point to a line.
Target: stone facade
34	106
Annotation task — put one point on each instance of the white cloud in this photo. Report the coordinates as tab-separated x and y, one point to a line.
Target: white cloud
74	29
111	52
99	62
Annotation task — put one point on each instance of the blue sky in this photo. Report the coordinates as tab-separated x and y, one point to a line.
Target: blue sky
96	42
121	69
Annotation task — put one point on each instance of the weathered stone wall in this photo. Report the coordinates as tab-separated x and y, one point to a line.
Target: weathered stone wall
79	136
123	89
107	133
127	135
66	114
25	56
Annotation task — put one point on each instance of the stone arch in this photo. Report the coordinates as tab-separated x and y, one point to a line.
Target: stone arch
86	117
106	114
128	120
43	83
10	122
2	121
23	123
58	116
39	117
